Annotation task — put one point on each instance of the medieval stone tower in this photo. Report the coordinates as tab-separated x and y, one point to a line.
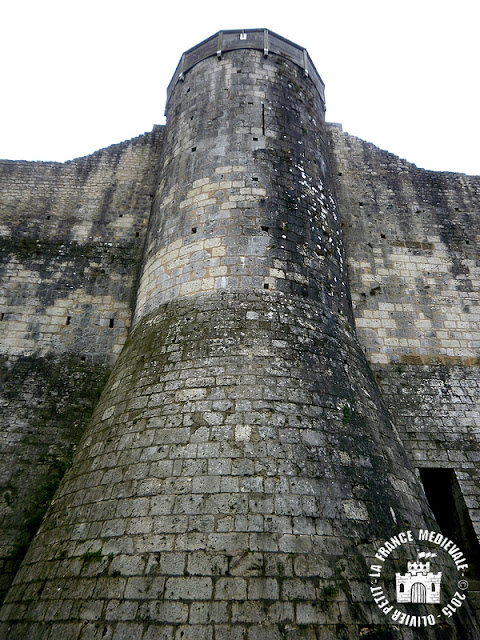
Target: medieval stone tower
242	465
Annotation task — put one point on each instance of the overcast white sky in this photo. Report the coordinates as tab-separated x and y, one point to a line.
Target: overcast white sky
79	76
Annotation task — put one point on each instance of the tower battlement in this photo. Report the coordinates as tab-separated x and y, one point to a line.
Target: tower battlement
262	40
418	567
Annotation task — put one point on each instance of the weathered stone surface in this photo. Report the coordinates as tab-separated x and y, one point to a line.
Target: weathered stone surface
45	404
241	463
70	242
412	243
412	255
71	237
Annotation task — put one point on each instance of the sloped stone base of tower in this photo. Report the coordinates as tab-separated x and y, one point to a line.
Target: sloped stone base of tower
233	483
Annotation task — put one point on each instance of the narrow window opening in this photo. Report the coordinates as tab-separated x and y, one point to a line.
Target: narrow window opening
264	228
137	234
263	119
188	90
194	229
402	588
112	322
451	513
48	217
266	286
249	102
69	319
255	139
82	358
2	316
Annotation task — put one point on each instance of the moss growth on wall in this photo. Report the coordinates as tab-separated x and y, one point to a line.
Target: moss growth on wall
29	248
62	394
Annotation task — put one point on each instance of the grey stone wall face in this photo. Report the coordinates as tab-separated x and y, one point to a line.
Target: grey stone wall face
240	463
411	239
436	412
45	404
71	238
412	255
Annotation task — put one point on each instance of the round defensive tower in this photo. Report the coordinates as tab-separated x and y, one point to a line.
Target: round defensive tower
240	466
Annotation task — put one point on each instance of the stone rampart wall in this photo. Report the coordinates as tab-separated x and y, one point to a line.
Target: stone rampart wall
411	239
71	239
413	255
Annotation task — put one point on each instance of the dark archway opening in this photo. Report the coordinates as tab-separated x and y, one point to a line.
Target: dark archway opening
451	513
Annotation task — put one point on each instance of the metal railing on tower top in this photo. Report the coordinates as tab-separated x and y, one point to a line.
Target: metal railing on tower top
259	39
